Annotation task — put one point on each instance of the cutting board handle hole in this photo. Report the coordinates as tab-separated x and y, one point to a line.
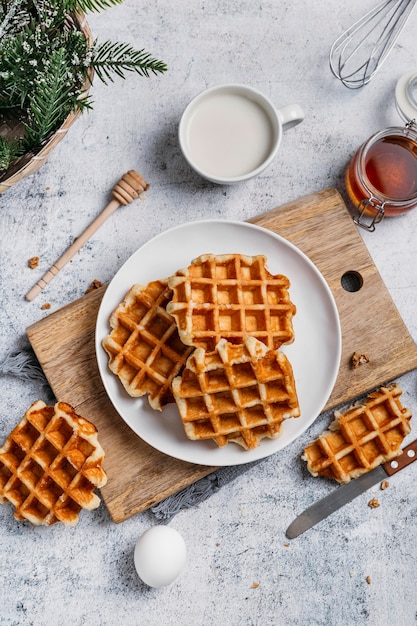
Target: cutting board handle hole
351	281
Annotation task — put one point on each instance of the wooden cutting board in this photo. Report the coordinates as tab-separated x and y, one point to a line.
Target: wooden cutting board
321	226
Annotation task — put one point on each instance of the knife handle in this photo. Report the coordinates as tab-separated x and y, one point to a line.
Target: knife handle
407	456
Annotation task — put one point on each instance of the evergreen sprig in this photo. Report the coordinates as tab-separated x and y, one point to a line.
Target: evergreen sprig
9	151
45	64
52	102
110	59
90	5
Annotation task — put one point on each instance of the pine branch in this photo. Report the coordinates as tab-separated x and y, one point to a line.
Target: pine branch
13	14
9	151
16	77
51	101
72	6
118	58
17	11
25	58
93	5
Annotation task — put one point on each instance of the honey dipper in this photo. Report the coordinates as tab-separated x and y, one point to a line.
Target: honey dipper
127	189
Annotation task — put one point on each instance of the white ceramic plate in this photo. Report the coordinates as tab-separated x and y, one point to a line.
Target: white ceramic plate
314	355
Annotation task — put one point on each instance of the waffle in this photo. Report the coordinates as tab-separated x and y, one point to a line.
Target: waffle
240	393
361	438
144	347
231	296
50	465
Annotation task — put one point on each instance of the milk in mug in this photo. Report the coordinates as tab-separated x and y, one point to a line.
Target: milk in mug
229	135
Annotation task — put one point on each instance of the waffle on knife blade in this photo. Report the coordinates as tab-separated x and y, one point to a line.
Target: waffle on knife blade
50	465
231	296
240	393
363	437
144	347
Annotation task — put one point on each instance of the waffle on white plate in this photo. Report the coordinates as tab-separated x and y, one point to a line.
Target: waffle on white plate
231	296
238	393
50	465
361	438
144	347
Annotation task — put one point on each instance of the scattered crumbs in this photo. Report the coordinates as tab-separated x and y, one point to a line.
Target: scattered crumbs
94	285
286	545
358	359
218	544
33	262
374	503
384	485
368	580
255	585
46	306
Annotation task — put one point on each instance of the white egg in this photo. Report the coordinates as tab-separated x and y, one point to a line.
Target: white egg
160	555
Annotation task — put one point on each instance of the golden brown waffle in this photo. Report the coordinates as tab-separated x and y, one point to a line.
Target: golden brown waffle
361	438
231	296
239	393
50	465
144	347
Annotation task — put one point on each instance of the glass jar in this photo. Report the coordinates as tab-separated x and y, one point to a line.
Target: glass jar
381	179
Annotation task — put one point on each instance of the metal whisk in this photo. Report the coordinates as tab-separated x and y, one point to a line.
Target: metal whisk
359	52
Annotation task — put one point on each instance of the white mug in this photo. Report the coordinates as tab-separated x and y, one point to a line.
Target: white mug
229	133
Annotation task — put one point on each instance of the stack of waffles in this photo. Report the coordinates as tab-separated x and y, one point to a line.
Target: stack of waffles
209	337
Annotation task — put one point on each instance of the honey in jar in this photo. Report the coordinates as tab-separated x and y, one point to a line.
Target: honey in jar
381	179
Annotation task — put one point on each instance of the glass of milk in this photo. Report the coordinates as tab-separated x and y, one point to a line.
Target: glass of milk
229	133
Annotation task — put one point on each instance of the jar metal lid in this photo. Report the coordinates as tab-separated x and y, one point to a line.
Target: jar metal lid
406	96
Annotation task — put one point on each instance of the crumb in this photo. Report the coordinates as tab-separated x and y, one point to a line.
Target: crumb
45	306
352	574
94	285
255	585
33	262
218	544
358	359
286	545
374	503
368	580
384	485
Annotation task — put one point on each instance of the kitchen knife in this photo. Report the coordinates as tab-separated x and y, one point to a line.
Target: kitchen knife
344	494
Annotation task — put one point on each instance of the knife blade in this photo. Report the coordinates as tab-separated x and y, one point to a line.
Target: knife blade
345	493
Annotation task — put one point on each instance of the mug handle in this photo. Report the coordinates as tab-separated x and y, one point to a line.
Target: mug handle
290	116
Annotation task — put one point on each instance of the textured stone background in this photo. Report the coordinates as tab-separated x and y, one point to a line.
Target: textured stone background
85	575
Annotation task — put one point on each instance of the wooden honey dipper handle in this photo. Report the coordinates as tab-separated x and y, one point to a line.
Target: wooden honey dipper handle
127	189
